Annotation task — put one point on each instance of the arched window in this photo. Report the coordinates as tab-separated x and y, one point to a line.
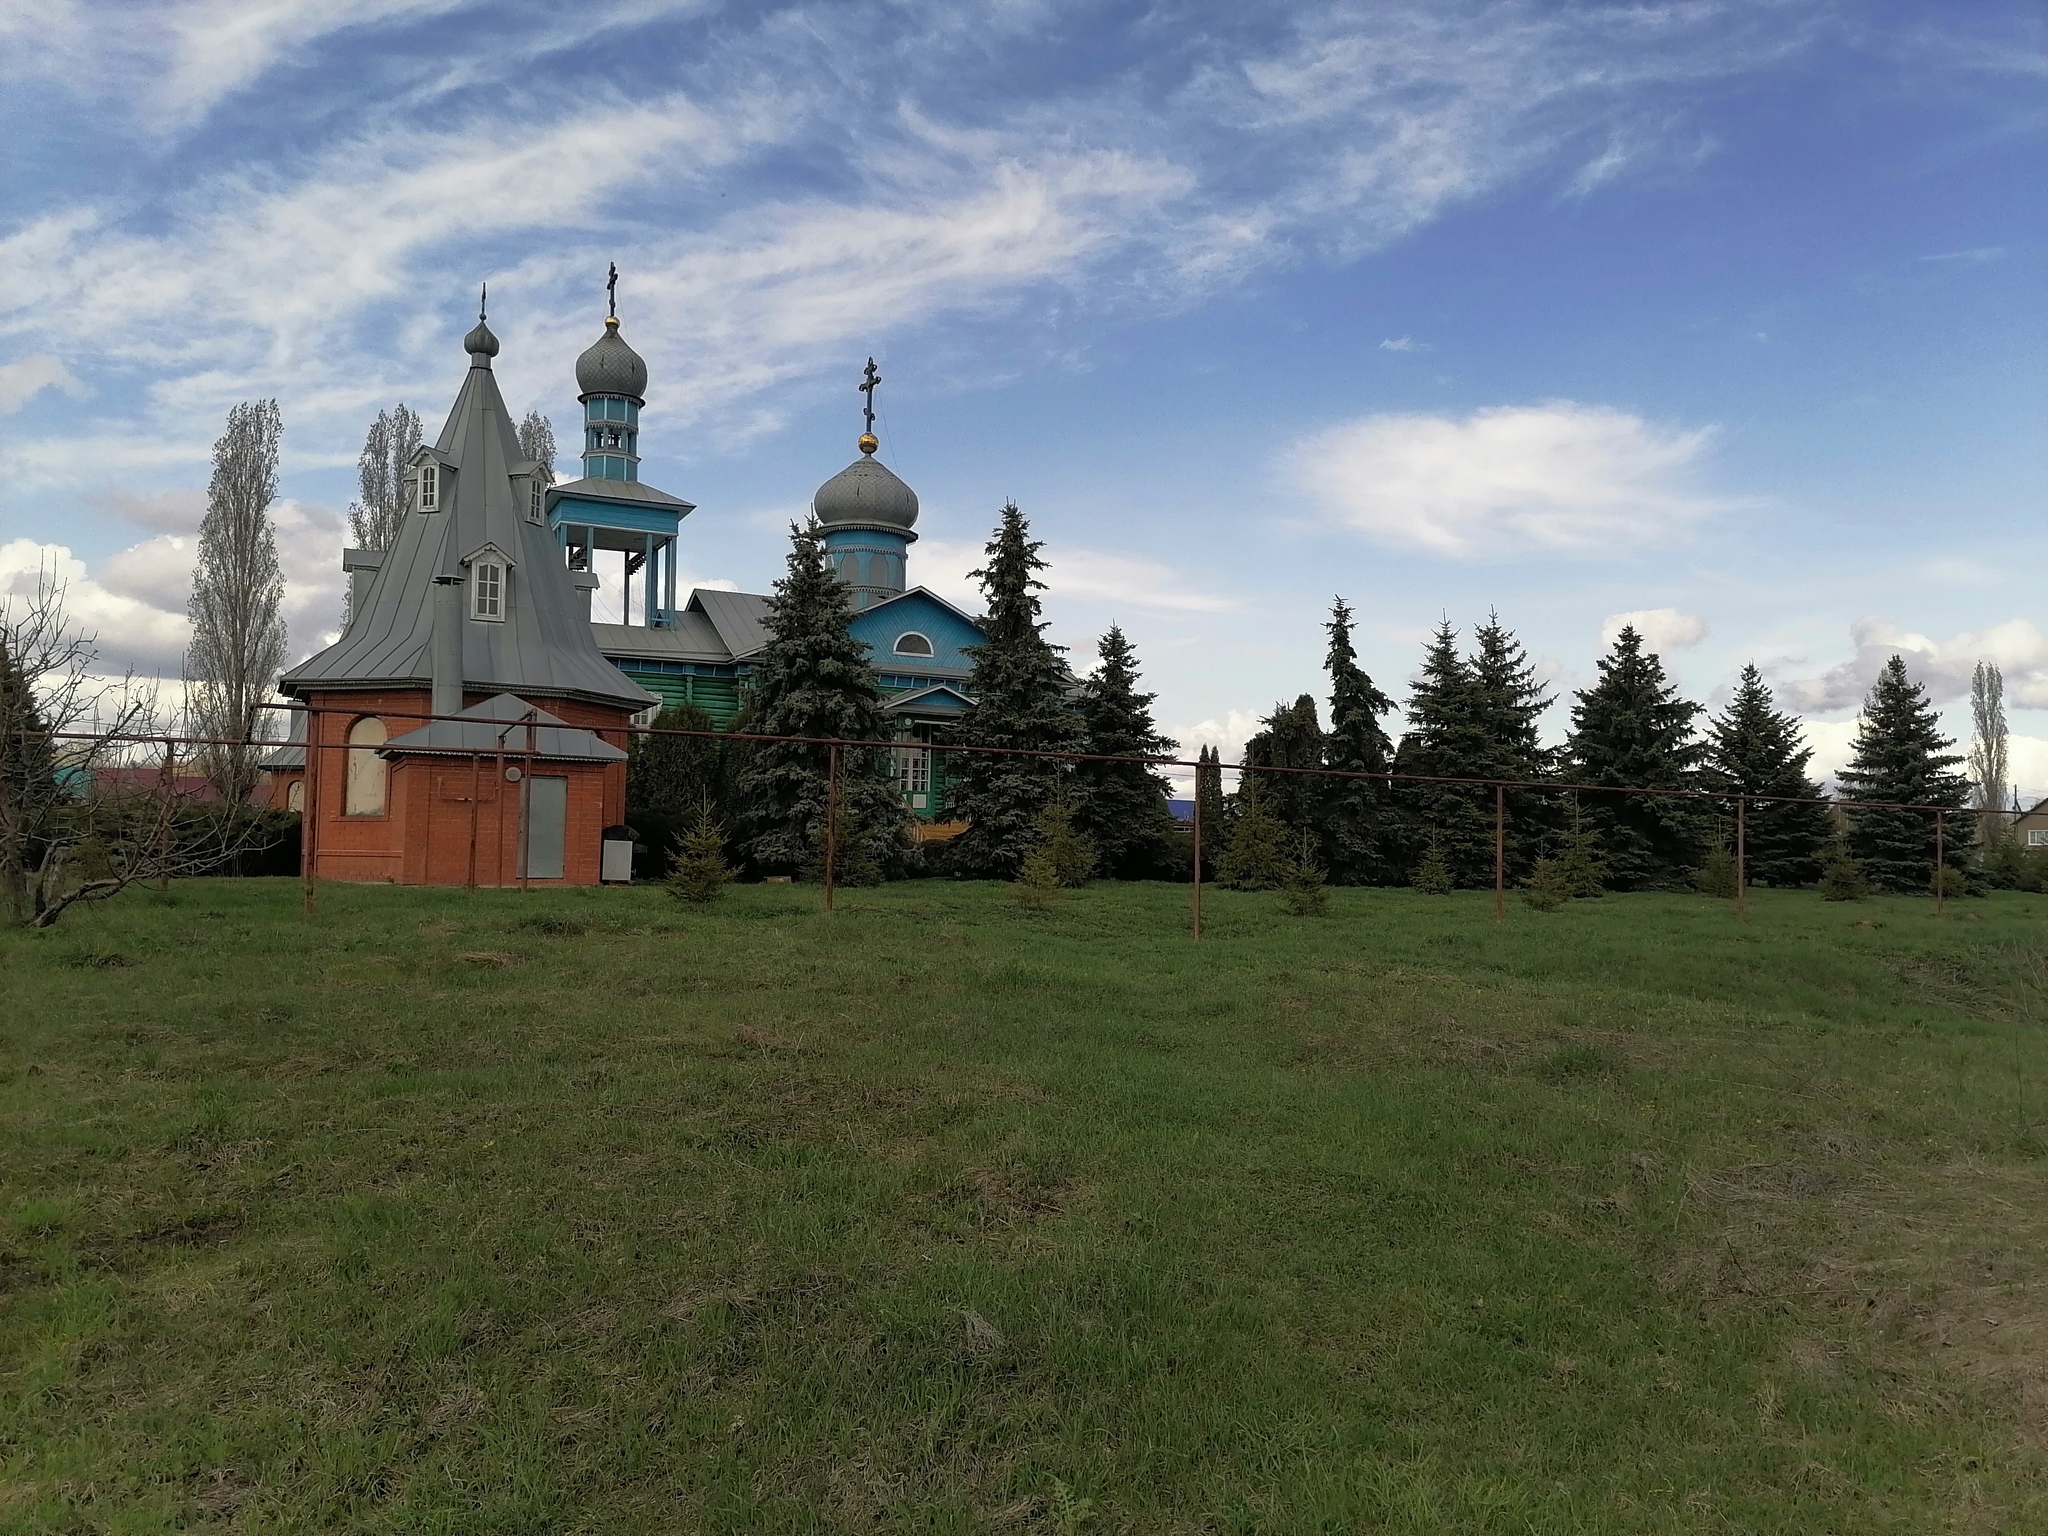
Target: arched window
912	643
295	795
364	795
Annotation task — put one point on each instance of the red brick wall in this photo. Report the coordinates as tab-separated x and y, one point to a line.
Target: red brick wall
424	836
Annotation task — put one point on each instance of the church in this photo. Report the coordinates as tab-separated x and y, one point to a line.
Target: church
481	610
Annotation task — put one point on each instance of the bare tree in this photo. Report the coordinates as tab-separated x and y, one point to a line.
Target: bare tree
1990	764
537	441
237	600
380	475
84	811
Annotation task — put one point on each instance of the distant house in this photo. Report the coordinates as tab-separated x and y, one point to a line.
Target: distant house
2032	828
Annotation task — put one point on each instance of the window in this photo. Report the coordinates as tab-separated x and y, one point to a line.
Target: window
536	508
364	792
2037	837
913	770
295	795
487	590
913	644
430	487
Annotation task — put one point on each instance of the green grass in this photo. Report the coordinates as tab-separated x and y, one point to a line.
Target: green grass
582	1211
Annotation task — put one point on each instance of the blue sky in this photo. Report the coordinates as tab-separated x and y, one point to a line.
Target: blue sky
1729	315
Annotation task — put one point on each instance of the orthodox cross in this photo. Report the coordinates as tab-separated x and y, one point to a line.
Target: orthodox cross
870	379
611	292
480	299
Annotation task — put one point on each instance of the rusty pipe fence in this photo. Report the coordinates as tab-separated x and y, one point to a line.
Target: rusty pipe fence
513	756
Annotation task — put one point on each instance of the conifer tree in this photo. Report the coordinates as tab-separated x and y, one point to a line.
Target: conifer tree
1122	807
1510	703
1292	738
1060	847
1019	687
1446	736
1303	892
1901	756
1632	728
1754	748
1356	813
814	679
1209	797
1256	857
670	779
698	874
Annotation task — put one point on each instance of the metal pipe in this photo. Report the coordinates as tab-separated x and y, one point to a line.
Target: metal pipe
1940	860
163	840
476	789
1741	857
831	827
1198	855
309	810
447	645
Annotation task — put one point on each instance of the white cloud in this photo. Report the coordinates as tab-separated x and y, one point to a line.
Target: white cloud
1507	479
1402	344
1663	629
1100	579
1943	667
131	633
176	511
25	378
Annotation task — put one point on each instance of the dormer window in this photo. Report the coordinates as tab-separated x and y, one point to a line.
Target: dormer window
913	644
536	507
487	590
430	487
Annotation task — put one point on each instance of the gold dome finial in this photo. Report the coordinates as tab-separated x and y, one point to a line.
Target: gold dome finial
869	442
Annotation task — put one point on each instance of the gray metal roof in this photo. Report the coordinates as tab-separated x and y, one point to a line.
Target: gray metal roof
619	490
509	724
713	627
866	494
741	618
542	647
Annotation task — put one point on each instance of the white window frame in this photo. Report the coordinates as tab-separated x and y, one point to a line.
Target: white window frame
2037	837
914	770
913	634
487	591
537	505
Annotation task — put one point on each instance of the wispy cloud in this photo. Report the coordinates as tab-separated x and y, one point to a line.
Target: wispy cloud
1943	666
1507	480
27	377
1662	629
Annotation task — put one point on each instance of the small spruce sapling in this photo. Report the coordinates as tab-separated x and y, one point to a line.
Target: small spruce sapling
1071	853
698	874
1256	858
1433	874
1549	887
1582	864
1716	874
1302	892
1841	877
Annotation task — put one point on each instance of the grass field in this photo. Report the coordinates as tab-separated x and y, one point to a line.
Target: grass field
581	1211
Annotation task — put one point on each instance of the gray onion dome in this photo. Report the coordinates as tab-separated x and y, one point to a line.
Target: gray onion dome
865	494
610	367
480	342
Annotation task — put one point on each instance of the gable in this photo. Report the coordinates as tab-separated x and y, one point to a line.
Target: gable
949	630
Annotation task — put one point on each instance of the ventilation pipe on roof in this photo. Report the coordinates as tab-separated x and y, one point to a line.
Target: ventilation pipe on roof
447	645
585	583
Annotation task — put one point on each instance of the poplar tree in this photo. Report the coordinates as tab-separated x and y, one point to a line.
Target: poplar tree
1510	702
1446	736
813	678
381	471
1019	688
1901	756
537	442
1632	728
1292	738
1990	751
237	601
1754	748
1209	797
1122	807
1357	813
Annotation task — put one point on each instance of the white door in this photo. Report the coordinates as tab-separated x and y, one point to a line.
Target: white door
547	827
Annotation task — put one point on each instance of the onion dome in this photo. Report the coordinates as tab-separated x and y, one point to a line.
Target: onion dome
610	367
480	342
865	494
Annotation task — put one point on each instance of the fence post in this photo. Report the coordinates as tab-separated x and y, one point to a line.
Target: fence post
1198	854
476	789
831	828
309	808
163	841
1741	856
1500	852
1940	860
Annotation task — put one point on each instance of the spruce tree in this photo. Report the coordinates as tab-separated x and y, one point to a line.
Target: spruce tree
1209	798
698	873
1446	737
1357	814
669	780
1122	807
1632	728
1754	748
1901	756
1510	703
1292	738
812	678
1256	857
1019	688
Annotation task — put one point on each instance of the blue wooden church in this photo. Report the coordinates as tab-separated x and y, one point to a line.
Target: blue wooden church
699	650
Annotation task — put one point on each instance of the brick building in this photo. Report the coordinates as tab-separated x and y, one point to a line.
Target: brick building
472	615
